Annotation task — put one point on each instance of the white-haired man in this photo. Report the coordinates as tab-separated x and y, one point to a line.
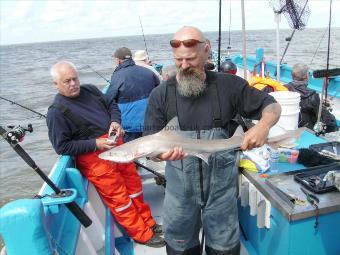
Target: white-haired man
310	101
79	121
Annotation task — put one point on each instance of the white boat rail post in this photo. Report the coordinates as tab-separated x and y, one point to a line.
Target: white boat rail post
277	18
244	44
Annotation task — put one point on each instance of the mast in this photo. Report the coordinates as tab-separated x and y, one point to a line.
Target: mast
219	37
244	46
277	20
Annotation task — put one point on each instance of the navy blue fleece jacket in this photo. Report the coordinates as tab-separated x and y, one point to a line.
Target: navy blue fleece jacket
94	113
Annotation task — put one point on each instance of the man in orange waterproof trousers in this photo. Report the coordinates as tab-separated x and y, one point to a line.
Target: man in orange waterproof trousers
78	123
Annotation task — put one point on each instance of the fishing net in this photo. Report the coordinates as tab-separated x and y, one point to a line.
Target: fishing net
296	12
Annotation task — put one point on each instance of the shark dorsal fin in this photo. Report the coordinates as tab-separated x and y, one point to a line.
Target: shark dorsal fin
172	126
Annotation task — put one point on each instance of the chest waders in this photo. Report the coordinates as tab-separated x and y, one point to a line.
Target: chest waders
187	173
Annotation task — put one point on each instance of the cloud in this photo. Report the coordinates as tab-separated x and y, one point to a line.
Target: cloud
59	10
28	21
21	10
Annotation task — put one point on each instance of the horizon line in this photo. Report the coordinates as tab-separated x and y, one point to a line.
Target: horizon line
107	37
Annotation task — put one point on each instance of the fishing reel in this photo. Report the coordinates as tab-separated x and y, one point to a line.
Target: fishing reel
319	128
17	133
327	105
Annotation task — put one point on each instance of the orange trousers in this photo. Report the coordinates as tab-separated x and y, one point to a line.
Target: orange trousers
120	187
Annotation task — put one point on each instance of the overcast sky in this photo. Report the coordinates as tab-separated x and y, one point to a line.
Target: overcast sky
27	21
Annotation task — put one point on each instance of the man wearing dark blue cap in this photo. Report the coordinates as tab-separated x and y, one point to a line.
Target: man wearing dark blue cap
130	88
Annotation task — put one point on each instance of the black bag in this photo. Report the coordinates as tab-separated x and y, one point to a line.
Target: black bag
329	120
309	111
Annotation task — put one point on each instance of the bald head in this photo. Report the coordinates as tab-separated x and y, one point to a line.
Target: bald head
189	32
65	78
190	50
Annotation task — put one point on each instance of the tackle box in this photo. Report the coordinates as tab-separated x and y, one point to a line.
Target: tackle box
333	147
312	178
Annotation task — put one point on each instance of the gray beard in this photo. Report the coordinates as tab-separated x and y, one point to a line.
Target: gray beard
190	83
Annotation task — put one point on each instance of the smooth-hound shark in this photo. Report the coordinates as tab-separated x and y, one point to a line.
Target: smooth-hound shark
168	138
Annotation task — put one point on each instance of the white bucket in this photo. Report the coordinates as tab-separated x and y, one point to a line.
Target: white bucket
289	121
290	104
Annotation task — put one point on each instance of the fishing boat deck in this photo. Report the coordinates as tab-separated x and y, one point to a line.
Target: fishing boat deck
154	196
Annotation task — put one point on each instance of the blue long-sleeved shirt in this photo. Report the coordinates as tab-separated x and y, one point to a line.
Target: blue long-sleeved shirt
63	133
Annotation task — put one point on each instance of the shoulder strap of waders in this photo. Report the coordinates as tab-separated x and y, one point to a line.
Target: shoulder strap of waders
216	106
171	98
215	100
172	102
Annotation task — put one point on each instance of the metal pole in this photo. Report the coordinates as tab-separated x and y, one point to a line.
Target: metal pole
219	38
277	20
244	46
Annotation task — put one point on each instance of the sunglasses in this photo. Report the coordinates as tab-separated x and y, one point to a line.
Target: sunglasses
187	43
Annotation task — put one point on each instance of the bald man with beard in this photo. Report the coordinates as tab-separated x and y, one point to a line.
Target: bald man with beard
200	195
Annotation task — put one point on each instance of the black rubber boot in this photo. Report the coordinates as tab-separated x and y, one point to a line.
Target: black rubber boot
232	251
156	241
157	229
192	251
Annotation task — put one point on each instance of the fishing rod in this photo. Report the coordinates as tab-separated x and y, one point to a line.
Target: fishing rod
319	126
160	178
25	107
13	137
146	48
317	48
229	36
88	66
326	74
329	37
